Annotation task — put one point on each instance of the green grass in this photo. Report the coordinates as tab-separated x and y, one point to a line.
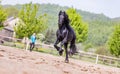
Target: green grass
12	44
48	51
1	27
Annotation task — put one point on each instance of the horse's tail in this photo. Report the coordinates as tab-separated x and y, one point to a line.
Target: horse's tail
73	49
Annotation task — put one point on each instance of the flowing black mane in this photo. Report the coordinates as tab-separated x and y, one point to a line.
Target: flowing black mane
65	34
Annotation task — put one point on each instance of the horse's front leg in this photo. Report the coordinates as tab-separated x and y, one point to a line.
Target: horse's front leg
61	50
55	45
64	41
66	51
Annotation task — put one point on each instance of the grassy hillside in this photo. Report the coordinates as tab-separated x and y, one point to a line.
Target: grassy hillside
100	26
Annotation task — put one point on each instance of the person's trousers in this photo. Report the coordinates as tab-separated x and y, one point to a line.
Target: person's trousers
32	45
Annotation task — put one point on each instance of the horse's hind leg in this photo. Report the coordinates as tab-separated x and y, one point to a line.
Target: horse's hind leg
66	51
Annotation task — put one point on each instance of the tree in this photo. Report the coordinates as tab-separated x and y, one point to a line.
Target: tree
30	21
114	42
49	36
3	16
80	27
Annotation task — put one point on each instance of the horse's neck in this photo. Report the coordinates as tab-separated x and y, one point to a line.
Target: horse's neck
68	26
62	27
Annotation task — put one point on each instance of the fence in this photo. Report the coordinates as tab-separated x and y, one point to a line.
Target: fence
104	59
6	38
95	57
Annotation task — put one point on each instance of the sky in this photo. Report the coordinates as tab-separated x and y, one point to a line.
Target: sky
110	8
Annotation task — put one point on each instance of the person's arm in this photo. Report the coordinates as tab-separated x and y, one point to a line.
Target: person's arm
35	37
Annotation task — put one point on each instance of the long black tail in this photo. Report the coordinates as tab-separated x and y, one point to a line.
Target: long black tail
73	49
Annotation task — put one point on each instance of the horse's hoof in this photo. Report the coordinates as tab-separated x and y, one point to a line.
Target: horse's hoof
60	52
70	54
66	61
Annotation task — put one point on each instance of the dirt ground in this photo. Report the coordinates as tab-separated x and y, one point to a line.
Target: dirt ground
17	61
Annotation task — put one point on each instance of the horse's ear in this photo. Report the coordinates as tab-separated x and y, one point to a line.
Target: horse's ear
60	12
65	14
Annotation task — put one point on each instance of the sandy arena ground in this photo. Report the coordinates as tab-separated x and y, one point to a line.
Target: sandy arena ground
17	61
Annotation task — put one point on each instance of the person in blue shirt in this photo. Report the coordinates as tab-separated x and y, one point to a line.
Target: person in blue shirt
33	39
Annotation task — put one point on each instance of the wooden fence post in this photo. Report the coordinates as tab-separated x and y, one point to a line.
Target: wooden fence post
96	59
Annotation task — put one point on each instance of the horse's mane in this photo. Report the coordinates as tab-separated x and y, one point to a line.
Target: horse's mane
67	21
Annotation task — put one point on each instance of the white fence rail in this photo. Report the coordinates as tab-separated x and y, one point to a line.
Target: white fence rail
2	37
105	59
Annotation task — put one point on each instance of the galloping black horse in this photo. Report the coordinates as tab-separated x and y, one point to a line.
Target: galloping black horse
65	34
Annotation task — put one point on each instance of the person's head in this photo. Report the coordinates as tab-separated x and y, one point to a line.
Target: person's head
34	34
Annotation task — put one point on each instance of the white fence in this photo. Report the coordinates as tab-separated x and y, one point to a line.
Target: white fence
105	59
2	37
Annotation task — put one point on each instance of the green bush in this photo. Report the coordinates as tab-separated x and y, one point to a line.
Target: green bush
114	41
86	47
80	27
102	50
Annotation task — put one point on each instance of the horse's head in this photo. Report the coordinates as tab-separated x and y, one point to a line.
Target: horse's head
63	18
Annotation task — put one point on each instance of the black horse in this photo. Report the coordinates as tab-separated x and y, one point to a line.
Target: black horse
65	34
